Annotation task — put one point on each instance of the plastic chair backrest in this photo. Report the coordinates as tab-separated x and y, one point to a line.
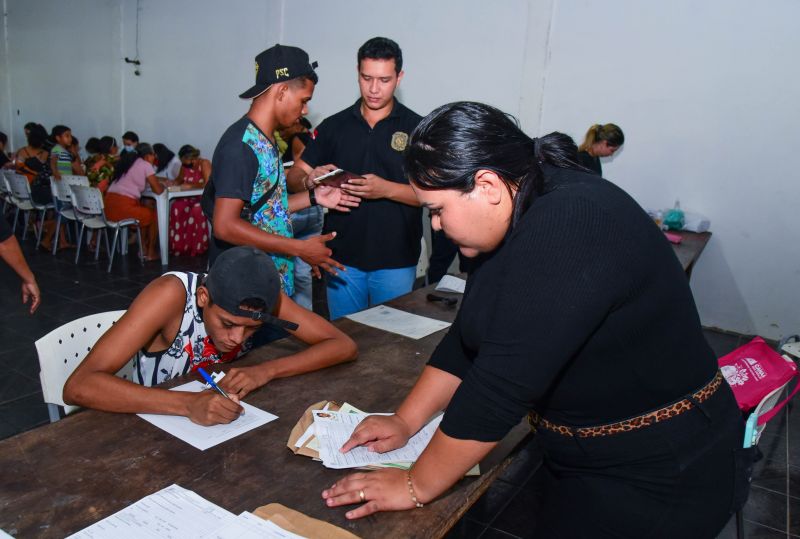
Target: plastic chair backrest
4	187
61	189
62	350
87	200
20	188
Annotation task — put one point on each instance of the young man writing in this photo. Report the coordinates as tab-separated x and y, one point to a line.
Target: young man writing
246	199
182	321
379	242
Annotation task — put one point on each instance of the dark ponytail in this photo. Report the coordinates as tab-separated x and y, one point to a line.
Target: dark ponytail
456	140
127	159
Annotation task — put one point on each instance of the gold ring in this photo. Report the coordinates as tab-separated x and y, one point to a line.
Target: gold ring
362	495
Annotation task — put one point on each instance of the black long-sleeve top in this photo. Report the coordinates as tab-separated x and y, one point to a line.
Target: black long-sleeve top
583	314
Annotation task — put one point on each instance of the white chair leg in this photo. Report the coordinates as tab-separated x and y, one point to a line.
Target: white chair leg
80	237
26	220
97	245
58	228
113	250
16	216
52	411
41	227
123	241
139	241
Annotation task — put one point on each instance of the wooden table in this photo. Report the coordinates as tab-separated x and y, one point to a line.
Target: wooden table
690	248
62	477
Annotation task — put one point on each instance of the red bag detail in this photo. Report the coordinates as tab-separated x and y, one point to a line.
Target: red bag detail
754	370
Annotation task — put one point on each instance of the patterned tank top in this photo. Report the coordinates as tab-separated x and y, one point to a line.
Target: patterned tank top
191	347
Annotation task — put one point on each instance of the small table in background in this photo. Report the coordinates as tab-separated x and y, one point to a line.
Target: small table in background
690	248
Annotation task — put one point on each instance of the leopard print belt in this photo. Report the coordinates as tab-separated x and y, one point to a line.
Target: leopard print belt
638	422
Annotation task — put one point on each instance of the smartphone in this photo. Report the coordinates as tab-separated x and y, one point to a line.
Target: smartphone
336	178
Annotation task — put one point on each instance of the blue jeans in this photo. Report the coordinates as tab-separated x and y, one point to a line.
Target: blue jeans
355	290
305	224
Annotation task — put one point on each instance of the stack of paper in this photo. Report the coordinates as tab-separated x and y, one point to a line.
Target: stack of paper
177	512
451	283
333	429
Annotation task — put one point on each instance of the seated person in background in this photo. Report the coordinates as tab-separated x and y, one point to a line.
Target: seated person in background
600	141
132	174
79	155
182	321
92	148
168	165
188	226
100	166
33	160
130	141
5	160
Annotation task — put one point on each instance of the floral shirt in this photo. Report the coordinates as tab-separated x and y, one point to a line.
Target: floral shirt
99	168
246	165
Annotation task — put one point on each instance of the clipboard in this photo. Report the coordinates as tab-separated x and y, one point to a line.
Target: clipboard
296	522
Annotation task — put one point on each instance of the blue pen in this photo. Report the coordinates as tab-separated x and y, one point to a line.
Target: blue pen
211	382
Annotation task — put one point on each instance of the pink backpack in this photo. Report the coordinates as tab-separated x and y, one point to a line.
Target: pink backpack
754	371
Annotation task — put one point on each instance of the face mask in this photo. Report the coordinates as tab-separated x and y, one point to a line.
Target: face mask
128	148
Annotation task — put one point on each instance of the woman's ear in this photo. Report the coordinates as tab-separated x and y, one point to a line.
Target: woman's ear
490	185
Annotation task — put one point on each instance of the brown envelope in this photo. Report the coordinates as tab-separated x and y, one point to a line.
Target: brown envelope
296	522
305	421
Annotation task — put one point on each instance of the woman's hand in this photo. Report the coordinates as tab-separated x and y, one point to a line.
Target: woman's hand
379	433
382	490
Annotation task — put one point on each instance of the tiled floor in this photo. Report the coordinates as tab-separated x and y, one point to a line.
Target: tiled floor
506	511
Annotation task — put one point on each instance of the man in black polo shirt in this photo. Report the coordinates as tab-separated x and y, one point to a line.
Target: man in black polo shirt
378	242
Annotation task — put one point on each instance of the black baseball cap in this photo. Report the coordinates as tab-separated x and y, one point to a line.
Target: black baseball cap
279	64
242	273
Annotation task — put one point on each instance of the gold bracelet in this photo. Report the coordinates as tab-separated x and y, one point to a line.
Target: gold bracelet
417	503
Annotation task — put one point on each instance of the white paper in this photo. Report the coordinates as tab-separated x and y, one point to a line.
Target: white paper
400	322
451	283
335	428
249	526
171	513
204	437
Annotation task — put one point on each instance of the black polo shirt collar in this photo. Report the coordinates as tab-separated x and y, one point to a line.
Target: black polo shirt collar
355	110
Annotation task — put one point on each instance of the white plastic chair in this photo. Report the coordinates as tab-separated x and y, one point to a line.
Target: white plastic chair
88	203
63	349
5	190
62	194
21	197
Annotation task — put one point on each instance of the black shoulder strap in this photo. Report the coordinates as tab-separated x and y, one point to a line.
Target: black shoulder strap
255	208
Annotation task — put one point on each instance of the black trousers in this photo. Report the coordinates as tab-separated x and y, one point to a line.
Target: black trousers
680	478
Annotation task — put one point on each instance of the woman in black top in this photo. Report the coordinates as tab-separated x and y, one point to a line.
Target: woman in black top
579	312
600	141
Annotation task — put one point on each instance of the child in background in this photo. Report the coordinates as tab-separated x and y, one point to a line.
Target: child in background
91	148
62	161
5	160
129	141
188	227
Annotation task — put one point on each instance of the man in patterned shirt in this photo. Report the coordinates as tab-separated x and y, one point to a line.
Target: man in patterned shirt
182	321
246	199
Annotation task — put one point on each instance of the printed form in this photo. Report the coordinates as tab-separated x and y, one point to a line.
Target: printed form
204	437
397	321
333	429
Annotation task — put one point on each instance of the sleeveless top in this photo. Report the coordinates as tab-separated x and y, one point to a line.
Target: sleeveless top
191	348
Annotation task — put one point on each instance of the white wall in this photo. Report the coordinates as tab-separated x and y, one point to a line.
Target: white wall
707	99
703	91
